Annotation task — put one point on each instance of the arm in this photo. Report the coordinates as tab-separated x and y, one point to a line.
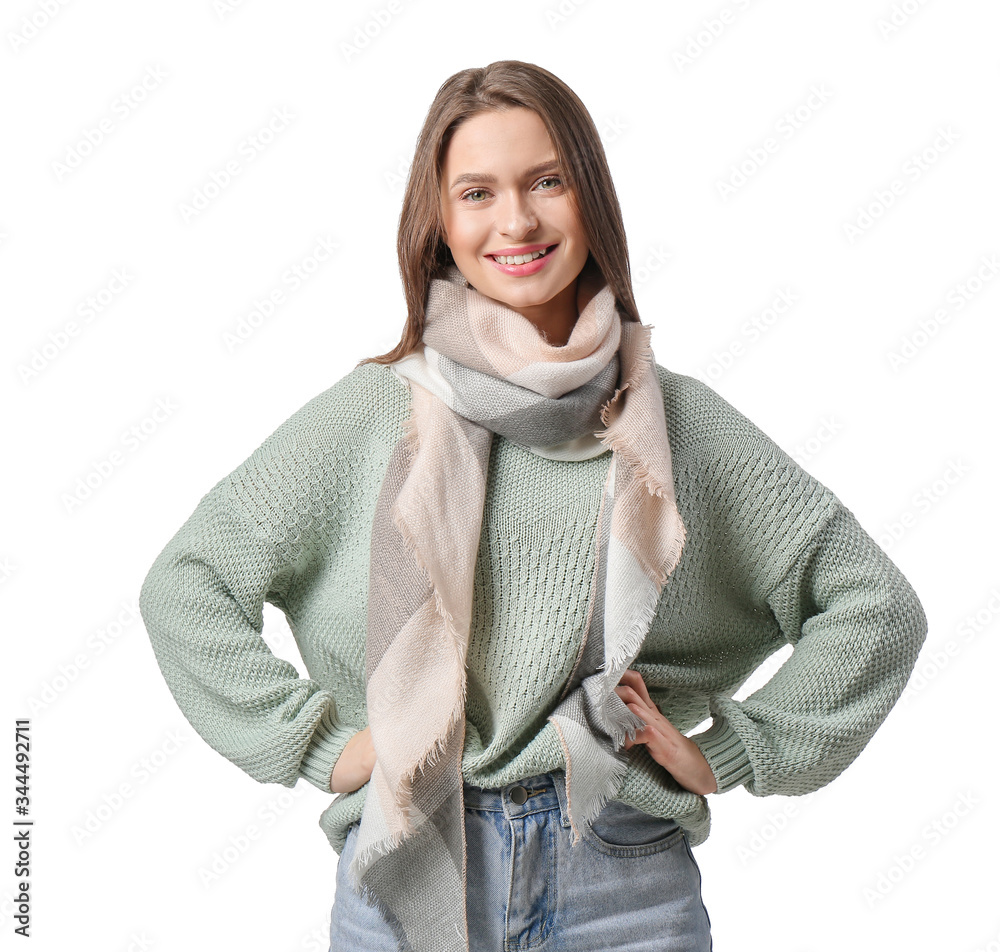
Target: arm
202	604
856	626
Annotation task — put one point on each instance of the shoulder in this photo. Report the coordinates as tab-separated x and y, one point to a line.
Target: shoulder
352	425
370	397
699	419
367	404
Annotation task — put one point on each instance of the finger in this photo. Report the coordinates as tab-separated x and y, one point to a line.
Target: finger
645	710
640	687
658	723
649	713
634	680
628	694
630	742
643	714
630	676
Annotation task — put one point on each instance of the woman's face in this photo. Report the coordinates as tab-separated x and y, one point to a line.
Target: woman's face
502	193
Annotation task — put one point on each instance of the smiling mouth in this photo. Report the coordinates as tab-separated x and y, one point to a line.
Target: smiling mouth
521	259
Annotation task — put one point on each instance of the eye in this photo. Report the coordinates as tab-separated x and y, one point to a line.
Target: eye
474	191
550	178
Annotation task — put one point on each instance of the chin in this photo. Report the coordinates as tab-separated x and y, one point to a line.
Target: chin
523	296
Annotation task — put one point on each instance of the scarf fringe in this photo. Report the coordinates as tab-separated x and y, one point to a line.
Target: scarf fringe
638	370
607	791
372	853
434	753
617	443
456	639
612	785
385	846
638	468
411	435
628	647
429	757
364	888
673	555
617	664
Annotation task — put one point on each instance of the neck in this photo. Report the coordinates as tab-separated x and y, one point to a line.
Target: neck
556	318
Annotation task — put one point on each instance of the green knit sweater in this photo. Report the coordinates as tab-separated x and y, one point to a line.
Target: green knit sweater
772	557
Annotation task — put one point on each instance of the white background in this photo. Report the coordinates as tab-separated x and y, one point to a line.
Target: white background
908	443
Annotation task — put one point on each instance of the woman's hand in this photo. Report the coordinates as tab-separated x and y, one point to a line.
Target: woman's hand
353	768
666	745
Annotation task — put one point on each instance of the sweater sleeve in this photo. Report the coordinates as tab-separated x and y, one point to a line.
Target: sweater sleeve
202	605
857	626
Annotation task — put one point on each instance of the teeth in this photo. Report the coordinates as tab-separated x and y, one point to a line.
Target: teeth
519	259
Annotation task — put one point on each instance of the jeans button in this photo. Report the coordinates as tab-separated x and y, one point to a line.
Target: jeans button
518	795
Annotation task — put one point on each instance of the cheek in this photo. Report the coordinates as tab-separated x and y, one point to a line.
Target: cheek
571	226
463	236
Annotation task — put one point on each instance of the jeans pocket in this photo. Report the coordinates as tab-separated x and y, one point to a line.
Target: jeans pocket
622	830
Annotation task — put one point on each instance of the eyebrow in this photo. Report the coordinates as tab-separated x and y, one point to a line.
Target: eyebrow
548	165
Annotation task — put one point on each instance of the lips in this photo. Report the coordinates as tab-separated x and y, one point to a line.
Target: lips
528	267
528	253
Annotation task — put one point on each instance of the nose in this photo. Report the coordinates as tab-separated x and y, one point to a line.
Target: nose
516	217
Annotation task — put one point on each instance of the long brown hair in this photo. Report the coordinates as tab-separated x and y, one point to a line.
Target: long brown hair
420	244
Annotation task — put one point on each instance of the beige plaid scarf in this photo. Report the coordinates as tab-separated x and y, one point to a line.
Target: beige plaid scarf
485	369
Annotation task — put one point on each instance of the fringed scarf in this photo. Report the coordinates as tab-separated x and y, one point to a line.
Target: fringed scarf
485	369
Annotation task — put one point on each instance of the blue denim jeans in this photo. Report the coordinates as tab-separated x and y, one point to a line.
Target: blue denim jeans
630	883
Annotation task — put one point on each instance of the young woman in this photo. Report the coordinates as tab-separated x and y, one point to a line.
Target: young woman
521	560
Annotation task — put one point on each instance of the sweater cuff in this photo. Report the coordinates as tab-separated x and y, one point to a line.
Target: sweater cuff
726	755
324	749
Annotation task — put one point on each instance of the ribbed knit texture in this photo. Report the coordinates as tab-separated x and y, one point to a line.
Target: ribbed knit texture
772	557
